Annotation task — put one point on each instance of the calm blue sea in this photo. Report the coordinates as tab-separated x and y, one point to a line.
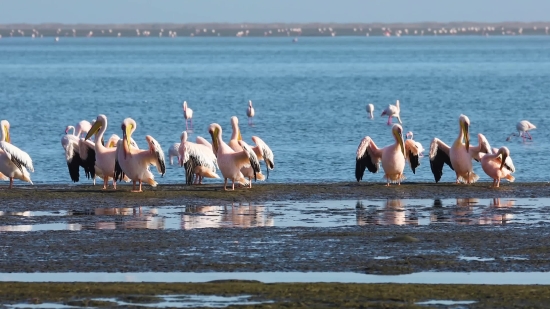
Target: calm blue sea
309	96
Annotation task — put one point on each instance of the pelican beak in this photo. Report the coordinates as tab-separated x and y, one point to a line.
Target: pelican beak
401	142
8	139
128	134
465	129
215	143
240	138
504	157
93	130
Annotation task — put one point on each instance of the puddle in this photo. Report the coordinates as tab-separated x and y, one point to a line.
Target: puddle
498	278
475	258
446	302
290	214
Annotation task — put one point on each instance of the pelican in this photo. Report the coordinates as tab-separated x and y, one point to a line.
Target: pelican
187	114
393	157
496	163
81	128
173	152
134	162
13	161
230	162
370	110
203	141
410	136
250	112
104	156
198	159
262	151
523	128
79	153
392	111
458	156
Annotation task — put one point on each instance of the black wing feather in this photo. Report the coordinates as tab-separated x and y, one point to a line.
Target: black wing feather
414	161
74	166
362	163
89	164
119	174
437	162
189	171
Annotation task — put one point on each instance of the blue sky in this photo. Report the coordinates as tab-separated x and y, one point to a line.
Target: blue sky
189	11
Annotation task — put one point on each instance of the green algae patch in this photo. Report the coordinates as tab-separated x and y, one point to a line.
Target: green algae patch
289	295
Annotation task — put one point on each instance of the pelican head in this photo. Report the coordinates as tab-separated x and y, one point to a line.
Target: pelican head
5	130
397	132
128	127
183	137
464	122
235	125
215	131
98	124
409	135
505	153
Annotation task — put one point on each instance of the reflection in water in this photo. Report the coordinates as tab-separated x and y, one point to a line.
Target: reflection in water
394	213
225	216
140	219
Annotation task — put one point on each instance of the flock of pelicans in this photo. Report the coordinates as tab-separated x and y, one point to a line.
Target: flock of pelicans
496	163
122	159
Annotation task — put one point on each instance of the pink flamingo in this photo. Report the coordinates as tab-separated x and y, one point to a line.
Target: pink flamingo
392	111
188	115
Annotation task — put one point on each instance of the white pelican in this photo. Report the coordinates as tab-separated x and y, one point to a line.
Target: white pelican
410	136
393	157
133	162
370	110
173	152
230	162
188	115
523	128
496	163
104	156
392	111
250	112
262	151
13	161
78	153
458	156
198	160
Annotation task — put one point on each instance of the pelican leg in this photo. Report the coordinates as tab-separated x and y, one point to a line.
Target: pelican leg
225	184
494	183
11	183
140	190
468	181
250	182
200	181
114	183
105	183
498	182
233	182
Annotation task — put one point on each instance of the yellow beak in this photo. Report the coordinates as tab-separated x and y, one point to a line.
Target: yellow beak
215	140
240	138
8	139
465	129
504	157
93	130
128	135
401	143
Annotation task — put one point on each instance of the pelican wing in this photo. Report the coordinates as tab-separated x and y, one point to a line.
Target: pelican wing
251	155
158	155
508	164
439	156
483	147
119	174
194	155
412	154
74	162
263	151
367	157
203	141
87	154
18	156
3	177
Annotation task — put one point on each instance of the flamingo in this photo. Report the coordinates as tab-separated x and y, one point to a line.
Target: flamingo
410	136
250	112
458	156
134	162
523	128
496	163
203	141
173	152
14	162
370	110
393	157
188	115
230	162
80	129
198	159
392	111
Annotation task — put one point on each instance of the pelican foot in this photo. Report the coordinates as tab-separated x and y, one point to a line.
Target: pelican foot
136	191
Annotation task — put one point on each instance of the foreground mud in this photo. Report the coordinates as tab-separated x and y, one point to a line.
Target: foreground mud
320	295
49	197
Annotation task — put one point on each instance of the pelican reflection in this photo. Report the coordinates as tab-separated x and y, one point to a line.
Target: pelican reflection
236	215
393	213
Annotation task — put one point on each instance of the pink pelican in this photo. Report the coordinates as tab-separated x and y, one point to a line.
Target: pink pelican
230	162
523	128
370	110
496	163
392	111
262	151
14	162
393	157
410	136
199	160
188	115
250	112
458	156
133	162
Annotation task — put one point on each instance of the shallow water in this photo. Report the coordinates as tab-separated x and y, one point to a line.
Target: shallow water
272	277
290	214
309	97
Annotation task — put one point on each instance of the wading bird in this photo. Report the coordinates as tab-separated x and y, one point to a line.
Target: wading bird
410	136
14	162
370	110
133	162
392	111
250	112
392	157
523	128
458	156
173	152
187	115
199	160
230	162
496	163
